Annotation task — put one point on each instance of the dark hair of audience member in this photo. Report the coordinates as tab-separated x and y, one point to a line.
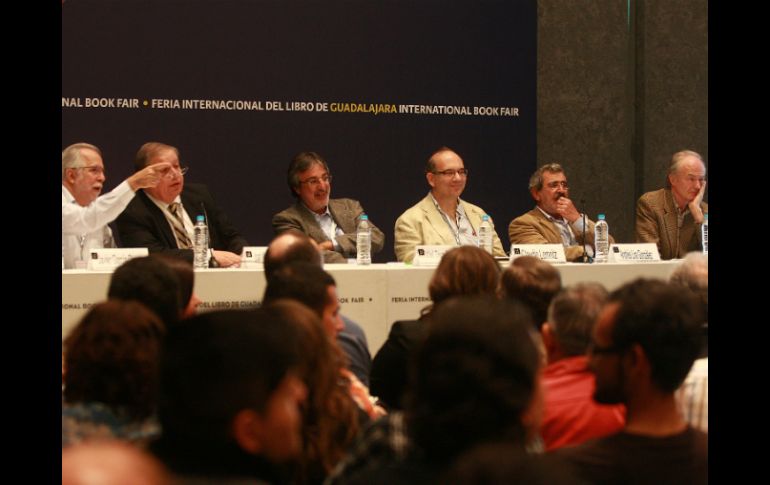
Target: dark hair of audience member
330	416
153	284
301	281
302	249
184	273
534	282
466	270
112	357
215	365
665	320
474	377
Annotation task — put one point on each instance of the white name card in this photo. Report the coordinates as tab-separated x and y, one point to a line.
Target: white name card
426	255
110	258
552	253
634	253
253	256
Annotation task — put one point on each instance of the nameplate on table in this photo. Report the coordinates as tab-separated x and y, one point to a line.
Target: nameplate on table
634	253
552	253
253	256
429	255
110	258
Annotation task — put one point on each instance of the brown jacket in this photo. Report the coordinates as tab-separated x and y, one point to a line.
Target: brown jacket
656	222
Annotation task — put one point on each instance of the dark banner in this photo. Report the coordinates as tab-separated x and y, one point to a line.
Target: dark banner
373	86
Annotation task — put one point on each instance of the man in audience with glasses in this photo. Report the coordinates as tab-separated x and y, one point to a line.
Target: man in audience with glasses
442	218
162	218
555	220
329	222
84	213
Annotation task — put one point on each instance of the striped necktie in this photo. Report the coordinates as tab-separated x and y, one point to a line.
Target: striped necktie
177	222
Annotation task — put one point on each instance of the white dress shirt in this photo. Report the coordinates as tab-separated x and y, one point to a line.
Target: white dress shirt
88	225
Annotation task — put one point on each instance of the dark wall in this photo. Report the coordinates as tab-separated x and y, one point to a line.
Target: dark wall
622	85
471	53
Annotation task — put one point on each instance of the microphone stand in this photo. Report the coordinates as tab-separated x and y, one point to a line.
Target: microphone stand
586	258
212	261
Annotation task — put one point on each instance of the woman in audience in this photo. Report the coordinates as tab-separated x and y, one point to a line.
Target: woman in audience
331	419
111	363
466	270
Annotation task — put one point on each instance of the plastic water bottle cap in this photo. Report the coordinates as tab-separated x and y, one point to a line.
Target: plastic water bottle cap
706	217
485	217
364	217
200	219
600	217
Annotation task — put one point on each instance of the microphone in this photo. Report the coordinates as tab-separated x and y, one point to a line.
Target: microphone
212	260
586	258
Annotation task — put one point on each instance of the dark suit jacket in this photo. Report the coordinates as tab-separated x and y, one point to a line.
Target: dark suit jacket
143	225
391	363
656	222
345	213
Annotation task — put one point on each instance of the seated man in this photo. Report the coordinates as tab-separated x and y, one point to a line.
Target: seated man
672	217
644	343
292	245
84	213
571	416
555	220
329	222
161	218
442	218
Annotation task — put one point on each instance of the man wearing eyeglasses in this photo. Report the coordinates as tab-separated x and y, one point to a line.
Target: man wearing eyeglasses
84	213
645	341
161	218
672	217
329	222
555	220
442	218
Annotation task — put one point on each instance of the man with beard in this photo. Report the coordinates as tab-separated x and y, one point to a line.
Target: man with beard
644	342
555	220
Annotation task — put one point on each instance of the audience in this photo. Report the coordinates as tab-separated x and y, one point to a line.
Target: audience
292	245
314	287
331	419
150	282
466	270
644	344
571	415
475	379
230	398
111	374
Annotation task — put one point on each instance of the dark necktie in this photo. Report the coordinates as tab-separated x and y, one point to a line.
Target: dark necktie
177	222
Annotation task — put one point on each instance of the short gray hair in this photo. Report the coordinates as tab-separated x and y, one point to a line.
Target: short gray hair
573	313
71	157
693	273
678	157
536	180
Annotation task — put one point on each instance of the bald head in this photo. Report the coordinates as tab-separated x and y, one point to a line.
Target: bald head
110	463
290	246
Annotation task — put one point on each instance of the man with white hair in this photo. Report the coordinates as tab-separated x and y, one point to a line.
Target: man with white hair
84	213
671	217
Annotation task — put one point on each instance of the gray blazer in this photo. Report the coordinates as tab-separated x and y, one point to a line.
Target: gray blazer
345	213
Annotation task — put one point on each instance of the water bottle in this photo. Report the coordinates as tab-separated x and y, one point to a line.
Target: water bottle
201	243
601	240
364	241
485	234
704	234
